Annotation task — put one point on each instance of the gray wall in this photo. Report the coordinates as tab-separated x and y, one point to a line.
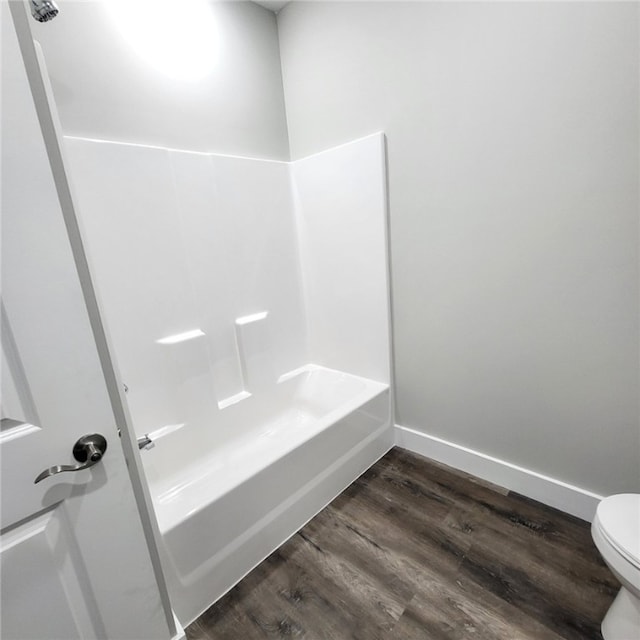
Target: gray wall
103	89
513	158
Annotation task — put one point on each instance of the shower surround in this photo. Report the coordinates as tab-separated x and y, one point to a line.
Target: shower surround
248	304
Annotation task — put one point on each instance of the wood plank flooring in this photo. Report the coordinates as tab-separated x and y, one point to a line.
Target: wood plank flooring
414	550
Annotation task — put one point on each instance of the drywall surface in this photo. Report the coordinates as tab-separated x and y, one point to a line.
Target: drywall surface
512	132
204	76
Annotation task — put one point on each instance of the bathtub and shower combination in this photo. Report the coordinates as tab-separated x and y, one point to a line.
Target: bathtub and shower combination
249	311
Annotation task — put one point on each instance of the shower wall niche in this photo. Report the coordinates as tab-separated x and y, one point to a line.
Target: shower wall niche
248	306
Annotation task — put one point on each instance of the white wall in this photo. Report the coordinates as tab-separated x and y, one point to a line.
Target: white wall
512	134
105	90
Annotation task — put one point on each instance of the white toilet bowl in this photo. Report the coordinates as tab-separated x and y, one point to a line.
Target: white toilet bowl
616	533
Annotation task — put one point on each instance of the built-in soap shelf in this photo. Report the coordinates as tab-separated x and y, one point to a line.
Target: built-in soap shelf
294	373
234	399
181	337
255	356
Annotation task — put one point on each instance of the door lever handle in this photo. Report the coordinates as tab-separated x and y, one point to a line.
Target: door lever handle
89	450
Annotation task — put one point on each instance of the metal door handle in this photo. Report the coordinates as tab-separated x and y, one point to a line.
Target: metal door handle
88	450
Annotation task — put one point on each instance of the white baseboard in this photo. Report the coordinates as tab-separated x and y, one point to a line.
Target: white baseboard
555	493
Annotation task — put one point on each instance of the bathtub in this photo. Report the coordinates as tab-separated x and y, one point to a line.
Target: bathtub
228	495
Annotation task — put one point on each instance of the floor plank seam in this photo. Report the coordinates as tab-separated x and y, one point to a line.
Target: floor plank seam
415	551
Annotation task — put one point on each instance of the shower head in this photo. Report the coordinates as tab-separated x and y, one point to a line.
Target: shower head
44	10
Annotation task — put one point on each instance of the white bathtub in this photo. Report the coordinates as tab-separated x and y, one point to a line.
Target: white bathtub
222	502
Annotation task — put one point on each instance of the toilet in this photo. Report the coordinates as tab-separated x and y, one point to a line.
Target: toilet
616	533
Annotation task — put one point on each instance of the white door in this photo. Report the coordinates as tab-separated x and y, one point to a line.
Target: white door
73	558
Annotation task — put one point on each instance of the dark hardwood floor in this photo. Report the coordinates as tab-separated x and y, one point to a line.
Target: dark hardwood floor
415	550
